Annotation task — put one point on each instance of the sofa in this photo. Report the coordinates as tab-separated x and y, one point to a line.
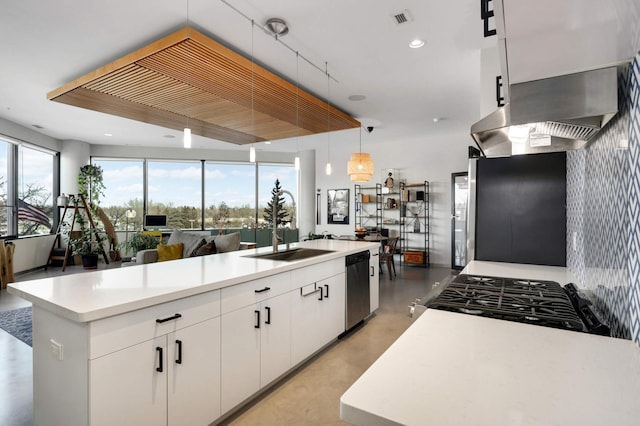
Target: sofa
193	244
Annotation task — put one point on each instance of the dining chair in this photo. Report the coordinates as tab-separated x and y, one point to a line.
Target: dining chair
386	257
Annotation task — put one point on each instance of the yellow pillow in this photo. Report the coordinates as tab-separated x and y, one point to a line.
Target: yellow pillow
170	252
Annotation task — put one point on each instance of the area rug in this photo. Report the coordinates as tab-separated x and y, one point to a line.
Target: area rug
17	323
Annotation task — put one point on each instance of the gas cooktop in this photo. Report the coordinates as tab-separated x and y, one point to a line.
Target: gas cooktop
536	302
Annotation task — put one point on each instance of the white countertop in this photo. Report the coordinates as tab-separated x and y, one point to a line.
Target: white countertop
559	274
99	294
456	369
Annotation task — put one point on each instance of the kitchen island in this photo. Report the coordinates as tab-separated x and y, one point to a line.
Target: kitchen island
180	342
457	369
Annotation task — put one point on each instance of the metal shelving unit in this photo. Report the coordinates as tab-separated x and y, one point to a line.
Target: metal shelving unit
414	223
369	207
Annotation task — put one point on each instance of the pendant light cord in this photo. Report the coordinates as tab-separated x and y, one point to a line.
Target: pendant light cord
326	70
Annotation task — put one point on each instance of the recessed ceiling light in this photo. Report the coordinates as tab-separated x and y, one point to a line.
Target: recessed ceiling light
169	136
37	126
416	43
108	134
436	119
357	97
267	143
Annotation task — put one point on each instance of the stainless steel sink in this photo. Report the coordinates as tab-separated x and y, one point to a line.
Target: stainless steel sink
291	255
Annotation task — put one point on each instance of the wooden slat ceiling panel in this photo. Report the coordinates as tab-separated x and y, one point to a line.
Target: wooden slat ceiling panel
188	74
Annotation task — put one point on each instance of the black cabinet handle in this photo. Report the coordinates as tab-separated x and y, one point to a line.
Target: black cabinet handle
326	287
179	344
268	309
372	271
159	351
173	317
263	290
321	294
257	319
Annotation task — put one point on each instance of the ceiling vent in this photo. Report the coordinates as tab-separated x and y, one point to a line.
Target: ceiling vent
402	17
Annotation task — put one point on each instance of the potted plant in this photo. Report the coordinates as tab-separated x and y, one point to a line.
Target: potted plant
139	242
85	240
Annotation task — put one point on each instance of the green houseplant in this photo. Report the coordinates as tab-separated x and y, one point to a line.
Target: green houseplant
139	242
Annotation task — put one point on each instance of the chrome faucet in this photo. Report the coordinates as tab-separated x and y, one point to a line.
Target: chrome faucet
275	215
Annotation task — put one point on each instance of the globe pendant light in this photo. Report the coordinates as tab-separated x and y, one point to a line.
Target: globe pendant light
360	166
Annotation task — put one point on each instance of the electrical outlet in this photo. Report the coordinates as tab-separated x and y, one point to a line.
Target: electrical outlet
57	350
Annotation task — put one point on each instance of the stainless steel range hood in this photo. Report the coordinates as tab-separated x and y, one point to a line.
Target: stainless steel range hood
550	115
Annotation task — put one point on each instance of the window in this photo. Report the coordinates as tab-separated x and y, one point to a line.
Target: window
5	208
287	175
35	191
230	195
124	183
174	188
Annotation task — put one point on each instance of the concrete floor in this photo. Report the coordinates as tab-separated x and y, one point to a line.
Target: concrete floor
308	396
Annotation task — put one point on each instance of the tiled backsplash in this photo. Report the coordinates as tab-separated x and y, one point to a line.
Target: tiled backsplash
603	212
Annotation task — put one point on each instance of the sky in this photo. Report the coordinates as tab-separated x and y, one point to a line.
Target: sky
178	182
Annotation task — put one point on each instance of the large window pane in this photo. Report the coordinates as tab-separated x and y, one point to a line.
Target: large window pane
4	186
287	175
123	181
230	196
174	188
35	191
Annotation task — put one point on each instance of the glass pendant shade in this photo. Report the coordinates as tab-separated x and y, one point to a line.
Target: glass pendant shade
296	162
187	137
328	169
252	154
360	167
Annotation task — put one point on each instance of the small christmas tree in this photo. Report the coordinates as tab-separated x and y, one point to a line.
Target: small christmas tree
278	200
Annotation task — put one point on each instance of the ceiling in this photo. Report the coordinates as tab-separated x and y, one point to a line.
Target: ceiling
48	44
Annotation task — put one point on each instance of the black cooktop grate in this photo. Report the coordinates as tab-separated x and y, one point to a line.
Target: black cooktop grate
528	301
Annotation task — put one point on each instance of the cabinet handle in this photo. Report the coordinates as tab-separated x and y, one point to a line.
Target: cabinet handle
179	344
159	351
161	320
310	293
321	294
326	287
263	290
268	309
372	271
257	319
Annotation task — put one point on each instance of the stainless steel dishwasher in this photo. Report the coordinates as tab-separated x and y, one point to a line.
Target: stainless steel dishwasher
357	288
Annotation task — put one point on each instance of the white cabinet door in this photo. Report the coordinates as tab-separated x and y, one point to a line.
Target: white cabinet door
275	348
129	387
240	345
194	374
306	321
333	307
374	280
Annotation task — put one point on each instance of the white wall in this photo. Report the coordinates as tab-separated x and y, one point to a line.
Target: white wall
416	160
73	155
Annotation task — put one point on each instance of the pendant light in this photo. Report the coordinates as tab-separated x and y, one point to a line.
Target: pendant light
328	166
186	137
296	161
252	149
360	166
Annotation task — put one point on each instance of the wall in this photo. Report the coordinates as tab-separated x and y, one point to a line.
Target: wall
416	160
603	208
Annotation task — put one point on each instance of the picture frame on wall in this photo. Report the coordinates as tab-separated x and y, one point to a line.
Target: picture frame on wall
338	206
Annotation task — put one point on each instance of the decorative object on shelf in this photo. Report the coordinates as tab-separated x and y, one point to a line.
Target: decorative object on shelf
338	206
361	233
360	166
62	201
388	183
416	223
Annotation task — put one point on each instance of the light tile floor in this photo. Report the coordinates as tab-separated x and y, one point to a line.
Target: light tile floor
308	396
